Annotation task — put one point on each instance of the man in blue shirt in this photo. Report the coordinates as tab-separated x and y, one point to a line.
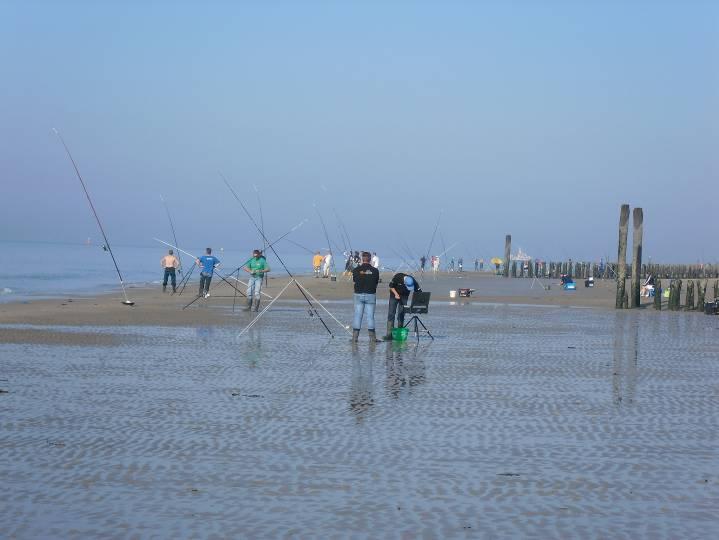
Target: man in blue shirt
207	263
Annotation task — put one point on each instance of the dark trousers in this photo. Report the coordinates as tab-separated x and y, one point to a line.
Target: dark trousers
396	307
205	282
169	272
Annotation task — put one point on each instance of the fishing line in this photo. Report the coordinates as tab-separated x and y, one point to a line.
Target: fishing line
313	310
127	301
308	250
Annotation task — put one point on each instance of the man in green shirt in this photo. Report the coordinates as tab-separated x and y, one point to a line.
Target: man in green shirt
257	267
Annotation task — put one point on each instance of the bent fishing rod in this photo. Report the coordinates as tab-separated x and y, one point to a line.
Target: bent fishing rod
127	301
313	310
172	228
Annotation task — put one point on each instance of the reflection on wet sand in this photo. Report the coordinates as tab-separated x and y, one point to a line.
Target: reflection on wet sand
362	384
404	366
626	357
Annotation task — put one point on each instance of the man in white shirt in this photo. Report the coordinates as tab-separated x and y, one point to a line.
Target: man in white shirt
326	265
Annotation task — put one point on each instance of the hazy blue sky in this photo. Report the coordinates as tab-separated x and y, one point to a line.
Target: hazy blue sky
531	118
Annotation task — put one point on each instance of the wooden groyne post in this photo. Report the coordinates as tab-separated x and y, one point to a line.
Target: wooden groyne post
622	256
638	218
507	252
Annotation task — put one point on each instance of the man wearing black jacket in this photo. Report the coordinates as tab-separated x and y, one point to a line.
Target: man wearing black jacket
399	290
365	278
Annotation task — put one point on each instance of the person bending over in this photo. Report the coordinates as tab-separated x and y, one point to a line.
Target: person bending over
399	290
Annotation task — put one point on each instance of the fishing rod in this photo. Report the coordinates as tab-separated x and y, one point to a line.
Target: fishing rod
404	261
408	251
327	237
343	230
262	219
262	225
448	249
313	310
223	278
172	228
441	237
431	242
248	260
308	250
127	301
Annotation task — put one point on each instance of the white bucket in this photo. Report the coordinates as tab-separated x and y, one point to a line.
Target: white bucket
453	294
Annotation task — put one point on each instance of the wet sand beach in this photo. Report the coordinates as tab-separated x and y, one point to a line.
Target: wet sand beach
518	421
155	308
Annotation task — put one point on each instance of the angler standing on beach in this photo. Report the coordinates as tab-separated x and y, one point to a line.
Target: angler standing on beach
257	267
366	278
399	290
317	263
208	262
169	263
327	264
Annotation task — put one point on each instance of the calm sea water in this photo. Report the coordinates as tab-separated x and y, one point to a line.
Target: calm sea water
36	269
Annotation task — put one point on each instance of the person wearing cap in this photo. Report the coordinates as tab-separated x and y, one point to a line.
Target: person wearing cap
169	263
399	290
257	267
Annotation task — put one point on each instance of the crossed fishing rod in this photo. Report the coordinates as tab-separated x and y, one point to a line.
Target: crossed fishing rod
225	278
312	310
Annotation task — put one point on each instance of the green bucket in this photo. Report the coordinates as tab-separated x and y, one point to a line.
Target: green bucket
399	334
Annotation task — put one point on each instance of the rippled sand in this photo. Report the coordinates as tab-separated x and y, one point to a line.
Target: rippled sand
516	422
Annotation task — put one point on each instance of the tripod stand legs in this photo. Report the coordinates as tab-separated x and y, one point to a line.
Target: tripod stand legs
184	281
417	321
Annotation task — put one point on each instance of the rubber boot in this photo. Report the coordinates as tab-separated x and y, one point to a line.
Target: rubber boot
248	306
174	289
355	336
373	337
257	305
390	326
164	288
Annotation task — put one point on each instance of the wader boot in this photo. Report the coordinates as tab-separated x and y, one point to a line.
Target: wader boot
355	336
373	337
257	305
390	326
248	306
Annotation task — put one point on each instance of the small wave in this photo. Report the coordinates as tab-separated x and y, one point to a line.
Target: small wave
5	290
